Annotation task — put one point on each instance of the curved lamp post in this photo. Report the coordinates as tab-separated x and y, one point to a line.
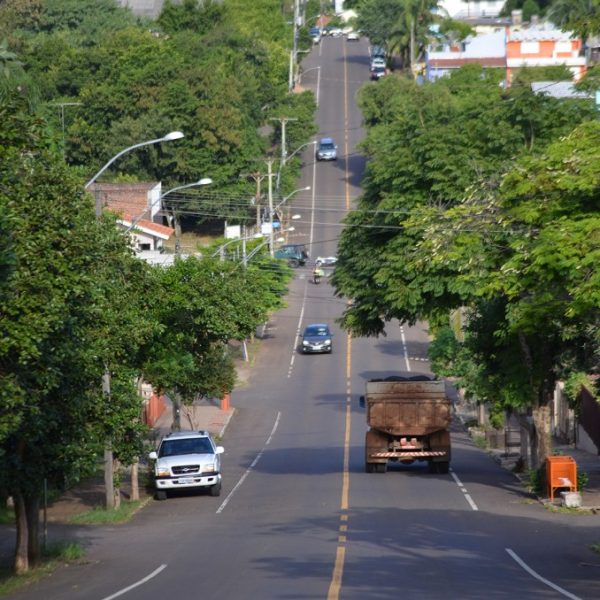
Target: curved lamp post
173	135
176	223
222	247
284	160
272	212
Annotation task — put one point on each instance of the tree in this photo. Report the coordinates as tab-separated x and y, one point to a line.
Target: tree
439	228
205	304
66	318
580	16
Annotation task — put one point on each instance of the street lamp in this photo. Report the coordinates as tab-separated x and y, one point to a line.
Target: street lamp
203	181
272	212
173	135
242	239
304	189
285	158
176	223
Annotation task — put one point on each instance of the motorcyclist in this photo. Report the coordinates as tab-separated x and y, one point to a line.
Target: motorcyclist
318	273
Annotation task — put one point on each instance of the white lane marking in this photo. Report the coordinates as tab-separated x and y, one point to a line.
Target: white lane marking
318	85
404	346
251	467
137	583
527	568
297	336
463	489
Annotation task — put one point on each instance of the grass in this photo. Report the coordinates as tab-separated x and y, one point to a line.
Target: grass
595	548
52	557
480	441
103	516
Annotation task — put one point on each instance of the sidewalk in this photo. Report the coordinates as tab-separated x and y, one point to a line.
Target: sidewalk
586	462
203	414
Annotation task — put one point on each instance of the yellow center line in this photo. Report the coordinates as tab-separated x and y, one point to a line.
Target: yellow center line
338	569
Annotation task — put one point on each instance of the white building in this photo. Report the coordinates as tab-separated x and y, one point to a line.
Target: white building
459	9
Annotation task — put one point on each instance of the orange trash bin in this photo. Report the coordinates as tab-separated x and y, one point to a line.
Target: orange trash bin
561	473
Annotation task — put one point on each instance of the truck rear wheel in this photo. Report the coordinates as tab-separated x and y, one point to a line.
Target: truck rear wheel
375	442
443	467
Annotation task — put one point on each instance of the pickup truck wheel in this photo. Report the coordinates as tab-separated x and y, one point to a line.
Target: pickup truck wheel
161	495
215	490
433	467
294	263
443	467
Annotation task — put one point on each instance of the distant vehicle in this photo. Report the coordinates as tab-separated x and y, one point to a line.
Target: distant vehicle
327	149
315	34
347	30
187	460
377	52
353	36
317	338
377	73
326	261
295	254
327	30
336	32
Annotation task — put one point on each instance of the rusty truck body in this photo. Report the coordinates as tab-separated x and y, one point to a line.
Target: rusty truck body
409	420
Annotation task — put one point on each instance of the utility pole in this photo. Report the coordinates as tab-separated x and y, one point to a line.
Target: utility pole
271	232
62	119
294	54
283	121
257	176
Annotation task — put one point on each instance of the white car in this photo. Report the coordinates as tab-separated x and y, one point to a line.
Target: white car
326	261
336	32
377	63
353	36
187	460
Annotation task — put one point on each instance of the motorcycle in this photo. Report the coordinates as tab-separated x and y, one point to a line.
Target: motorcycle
316	278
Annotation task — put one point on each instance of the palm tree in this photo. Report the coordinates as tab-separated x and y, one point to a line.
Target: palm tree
580	16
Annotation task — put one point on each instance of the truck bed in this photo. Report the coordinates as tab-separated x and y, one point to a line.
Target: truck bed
407	408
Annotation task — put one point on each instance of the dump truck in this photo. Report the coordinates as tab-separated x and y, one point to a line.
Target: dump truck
408	420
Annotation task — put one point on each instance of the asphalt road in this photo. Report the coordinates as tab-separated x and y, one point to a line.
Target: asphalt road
298	516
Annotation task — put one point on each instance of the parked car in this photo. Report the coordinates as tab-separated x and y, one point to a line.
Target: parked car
377	52
326	149
315	34
377	73
353	36
336	32
187	460
295	254
377	62
317	338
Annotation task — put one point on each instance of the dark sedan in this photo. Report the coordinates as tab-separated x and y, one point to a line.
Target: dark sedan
317	338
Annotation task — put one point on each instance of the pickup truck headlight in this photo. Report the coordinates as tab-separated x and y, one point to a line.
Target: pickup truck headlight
208	468
162	471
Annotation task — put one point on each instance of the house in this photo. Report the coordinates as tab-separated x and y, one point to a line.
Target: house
559	89
138	207
543	45
488	50
459	9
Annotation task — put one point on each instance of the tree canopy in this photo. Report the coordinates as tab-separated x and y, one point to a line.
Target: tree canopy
480	200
